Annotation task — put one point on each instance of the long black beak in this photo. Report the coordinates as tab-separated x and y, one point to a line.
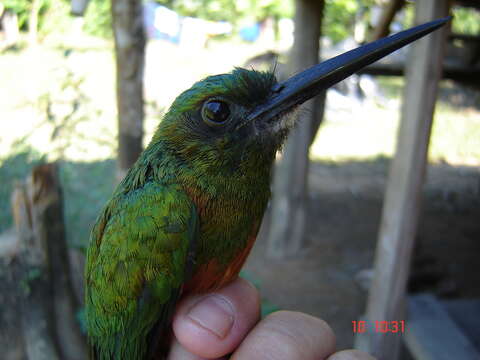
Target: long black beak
305	85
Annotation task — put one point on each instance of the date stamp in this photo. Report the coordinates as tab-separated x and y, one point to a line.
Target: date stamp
394	326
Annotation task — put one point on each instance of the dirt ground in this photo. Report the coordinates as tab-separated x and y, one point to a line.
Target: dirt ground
344	213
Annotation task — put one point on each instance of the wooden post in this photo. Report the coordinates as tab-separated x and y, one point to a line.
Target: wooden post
51	330
48	224
127	22
404	189
37	303
287	226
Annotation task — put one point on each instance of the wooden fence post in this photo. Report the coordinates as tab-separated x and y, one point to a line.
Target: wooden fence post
51	330
46	198
35	285
402	202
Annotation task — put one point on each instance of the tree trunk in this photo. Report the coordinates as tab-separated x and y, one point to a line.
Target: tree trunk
127	22
290	179
382	29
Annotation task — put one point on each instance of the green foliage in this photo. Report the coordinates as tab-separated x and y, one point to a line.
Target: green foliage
466	21
54	16
210	10
22	9
275	8
231	11
340	16
55	19
98	19
19	7
409	15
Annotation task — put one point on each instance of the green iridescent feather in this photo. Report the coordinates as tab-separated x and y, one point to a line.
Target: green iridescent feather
136	264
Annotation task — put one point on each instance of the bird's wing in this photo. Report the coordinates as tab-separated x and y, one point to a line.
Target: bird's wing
138	258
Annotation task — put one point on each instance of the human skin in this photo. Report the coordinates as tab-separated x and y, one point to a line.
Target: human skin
227	322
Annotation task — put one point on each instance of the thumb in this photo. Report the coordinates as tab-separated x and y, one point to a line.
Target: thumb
214	324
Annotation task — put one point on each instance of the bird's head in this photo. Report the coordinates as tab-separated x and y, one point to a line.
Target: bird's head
211	122
240	119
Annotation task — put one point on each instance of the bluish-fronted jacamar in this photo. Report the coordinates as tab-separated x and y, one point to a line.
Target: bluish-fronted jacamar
187	214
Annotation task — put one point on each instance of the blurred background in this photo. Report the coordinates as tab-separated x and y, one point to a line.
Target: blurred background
62	102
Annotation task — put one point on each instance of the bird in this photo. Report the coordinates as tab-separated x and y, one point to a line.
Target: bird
186	215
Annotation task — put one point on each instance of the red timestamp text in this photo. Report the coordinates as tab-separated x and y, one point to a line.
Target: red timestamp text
384	327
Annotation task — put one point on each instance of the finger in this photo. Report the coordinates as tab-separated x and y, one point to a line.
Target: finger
213	325
288	335
351	355
178	352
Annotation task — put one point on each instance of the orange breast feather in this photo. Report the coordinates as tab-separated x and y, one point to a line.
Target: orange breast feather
211	276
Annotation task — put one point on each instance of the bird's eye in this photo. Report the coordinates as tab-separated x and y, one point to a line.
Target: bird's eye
215	112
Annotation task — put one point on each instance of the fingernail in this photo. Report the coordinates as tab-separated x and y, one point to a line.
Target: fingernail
213	313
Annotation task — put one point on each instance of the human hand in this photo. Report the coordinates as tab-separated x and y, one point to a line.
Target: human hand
226	322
